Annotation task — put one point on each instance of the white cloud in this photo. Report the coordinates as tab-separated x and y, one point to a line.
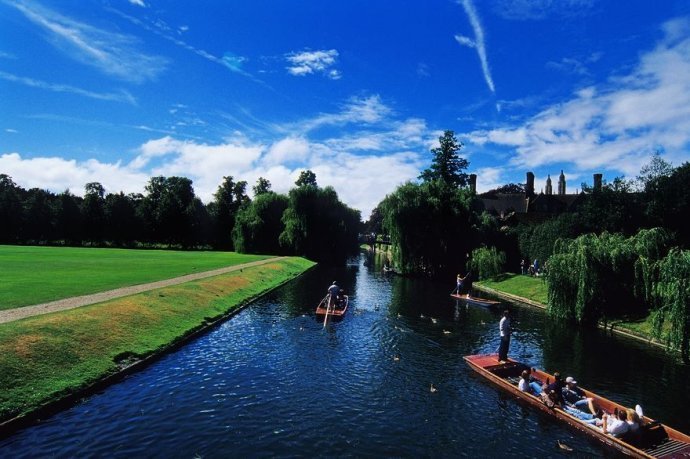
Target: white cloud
613	126
11	131
138	3
122	96
478	42
112	53
309	62
58	174
366	110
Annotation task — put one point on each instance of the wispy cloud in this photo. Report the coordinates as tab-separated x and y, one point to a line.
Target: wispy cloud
229	60
111	53
308	62
4	55
121	96
478	42
138	3
616	125
368	110
11	131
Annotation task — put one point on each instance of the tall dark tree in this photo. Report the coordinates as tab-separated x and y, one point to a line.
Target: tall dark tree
68	218
123	225
306	178
228	199
668	199
93	211
10	210
262	186
38	220
446	165
169	210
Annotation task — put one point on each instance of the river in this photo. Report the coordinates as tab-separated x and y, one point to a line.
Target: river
272	382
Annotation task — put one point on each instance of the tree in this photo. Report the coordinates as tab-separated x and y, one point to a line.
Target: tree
431	227
122	223
447	166
38	219
306	178
652	172
93	211
259	224
68	218
262	186
668	203
318	226
10	210
228	199
169	209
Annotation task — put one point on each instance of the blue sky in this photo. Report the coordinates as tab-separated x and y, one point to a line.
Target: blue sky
118	91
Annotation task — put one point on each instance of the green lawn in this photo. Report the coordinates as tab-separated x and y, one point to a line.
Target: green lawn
46	357
32	275
532	288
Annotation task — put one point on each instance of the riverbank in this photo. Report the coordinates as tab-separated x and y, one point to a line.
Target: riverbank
532	291
52	360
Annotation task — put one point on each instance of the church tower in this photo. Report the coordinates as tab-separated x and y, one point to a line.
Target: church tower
561	183
549	190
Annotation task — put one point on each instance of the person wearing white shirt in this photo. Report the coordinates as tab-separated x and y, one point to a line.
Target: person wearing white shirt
504	330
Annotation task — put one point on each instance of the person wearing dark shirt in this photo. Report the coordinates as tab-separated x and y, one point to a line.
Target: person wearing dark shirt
555	390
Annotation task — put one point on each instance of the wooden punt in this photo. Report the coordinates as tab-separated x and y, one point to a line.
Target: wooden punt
653	440
475	300
333	312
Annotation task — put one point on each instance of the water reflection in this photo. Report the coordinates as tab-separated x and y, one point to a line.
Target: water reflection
272	382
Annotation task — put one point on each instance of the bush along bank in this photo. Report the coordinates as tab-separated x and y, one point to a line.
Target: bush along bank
52	360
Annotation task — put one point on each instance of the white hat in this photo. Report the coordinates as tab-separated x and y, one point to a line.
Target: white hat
570	379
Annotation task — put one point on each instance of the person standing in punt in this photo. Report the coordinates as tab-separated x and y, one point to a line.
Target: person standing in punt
504	330
333	292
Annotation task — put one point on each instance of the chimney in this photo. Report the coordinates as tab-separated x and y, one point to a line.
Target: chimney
473	183
529	187
597	182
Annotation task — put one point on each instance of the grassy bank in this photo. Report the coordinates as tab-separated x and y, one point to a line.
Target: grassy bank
32	275
534	289
47	357
531	288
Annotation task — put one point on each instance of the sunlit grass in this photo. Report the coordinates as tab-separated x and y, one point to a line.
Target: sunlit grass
32	275
44	357
531	288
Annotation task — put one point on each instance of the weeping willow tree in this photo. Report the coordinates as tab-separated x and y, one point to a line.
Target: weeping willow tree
431	227
595	277
671	317
488	262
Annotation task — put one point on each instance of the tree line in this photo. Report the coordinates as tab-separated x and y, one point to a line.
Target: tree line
309	221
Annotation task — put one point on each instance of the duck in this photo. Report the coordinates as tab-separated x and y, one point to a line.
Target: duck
563	446
432	389
396	358
434	320
446	332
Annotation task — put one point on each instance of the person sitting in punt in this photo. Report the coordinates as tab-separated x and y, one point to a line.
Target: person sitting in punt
575	397
528	384
615	425
633	421
554	391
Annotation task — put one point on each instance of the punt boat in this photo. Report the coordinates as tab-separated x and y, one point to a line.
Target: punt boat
653	440
475	300
333	311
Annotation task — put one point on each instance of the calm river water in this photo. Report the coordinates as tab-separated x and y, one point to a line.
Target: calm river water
271	382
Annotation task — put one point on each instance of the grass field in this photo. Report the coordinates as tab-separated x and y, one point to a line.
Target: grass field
46	357
532	288
32	275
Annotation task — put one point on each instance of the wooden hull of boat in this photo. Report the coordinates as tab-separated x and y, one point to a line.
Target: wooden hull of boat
654	441
475	300
339	310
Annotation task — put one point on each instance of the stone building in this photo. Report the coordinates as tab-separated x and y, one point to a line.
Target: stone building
530	206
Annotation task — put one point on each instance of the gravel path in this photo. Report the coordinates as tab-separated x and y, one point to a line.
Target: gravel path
10	315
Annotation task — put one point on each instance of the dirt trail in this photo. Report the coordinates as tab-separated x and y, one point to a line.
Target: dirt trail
10	315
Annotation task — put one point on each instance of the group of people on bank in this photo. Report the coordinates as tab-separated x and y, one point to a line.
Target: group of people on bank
571	399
